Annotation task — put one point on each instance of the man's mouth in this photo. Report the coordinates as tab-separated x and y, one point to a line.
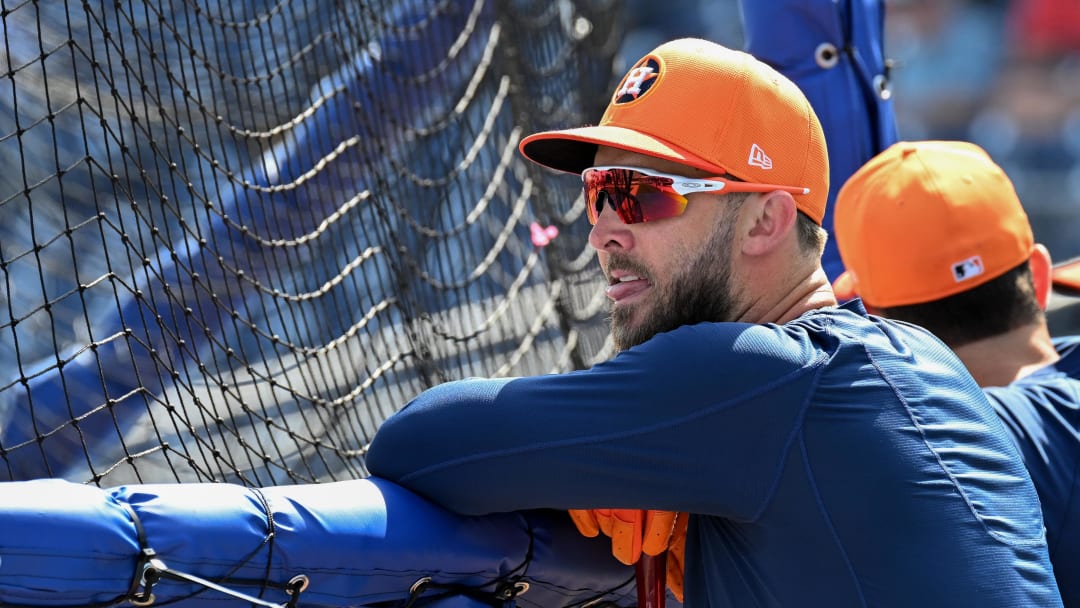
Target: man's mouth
623	287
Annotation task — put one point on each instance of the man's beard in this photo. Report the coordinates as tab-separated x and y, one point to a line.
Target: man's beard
701	292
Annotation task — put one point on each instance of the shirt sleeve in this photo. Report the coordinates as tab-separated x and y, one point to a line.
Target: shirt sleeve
1042	417
698	419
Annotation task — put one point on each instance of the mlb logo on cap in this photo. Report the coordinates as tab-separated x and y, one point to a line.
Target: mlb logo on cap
968	269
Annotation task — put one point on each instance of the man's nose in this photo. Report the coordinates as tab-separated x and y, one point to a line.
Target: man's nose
609	233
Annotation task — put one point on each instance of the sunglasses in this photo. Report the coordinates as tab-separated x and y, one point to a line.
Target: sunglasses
641	195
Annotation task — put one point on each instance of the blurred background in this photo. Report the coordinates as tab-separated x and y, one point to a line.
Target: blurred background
1004	74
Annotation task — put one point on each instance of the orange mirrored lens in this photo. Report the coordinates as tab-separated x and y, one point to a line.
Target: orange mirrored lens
635	197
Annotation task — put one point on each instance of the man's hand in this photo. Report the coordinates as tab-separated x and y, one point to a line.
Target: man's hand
635	531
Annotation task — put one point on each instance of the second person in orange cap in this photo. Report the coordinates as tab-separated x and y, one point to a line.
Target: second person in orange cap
933	233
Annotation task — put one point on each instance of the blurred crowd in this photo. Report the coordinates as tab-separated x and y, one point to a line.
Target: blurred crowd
1004	74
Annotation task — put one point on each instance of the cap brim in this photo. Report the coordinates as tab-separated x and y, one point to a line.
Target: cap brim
1067	277
574	150
844	286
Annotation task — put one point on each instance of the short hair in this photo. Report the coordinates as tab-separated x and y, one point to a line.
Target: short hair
812	237
1000	305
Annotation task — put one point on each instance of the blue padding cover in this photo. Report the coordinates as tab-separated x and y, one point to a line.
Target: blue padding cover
359	542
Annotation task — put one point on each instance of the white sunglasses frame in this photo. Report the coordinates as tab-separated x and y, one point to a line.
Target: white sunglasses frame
688	185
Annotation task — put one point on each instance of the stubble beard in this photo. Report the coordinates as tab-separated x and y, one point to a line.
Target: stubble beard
701	292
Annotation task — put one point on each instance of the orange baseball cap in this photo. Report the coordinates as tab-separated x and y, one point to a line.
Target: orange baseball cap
701	104
926	220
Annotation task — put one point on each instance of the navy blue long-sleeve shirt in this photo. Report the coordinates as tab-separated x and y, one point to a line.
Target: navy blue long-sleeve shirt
1041	412
838	459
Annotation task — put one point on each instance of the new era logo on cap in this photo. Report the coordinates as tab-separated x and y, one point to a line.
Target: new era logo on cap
968	269
758	158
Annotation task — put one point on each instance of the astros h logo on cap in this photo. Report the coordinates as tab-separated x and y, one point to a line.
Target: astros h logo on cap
638	80
698	103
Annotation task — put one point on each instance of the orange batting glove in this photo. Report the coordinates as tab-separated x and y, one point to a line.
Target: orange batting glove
677	556
634	531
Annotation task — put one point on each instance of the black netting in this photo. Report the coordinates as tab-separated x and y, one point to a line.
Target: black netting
236	236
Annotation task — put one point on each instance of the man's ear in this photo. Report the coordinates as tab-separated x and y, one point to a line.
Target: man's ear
769	218
1041	269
